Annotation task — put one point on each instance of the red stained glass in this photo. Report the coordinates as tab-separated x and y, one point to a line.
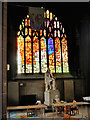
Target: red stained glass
28	54
25	22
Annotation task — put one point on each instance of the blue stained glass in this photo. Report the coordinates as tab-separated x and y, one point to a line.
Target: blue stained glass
50	46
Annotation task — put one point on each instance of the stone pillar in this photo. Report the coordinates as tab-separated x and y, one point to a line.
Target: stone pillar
4	94
0	60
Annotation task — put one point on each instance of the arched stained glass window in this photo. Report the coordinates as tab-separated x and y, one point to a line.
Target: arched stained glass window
64	54
42	48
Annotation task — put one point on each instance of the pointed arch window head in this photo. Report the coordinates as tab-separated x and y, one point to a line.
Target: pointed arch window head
39	49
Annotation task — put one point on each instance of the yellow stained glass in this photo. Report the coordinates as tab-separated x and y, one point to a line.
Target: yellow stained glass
20	54
58	55
30	31
29	22
40	32
65	55
36	55
43	55
50	16
26	31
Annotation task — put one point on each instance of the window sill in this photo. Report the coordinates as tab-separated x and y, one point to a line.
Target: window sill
38	76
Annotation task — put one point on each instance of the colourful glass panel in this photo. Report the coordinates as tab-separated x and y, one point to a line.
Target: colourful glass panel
25	22
63	30
18	33
28	54
54	24
30	31
44	15
49	29
56	18
26	31
40	32
60	26
58	55
65	55
29	22
47	23
51	54
20	54
20	27
50	16
55	33
43	55
47	13
27	16
22	33
58	33
57	24
37	33
33	33
36	55
44	32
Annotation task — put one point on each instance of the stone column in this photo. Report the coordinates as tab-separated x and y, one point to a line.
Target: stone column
0	60
4	94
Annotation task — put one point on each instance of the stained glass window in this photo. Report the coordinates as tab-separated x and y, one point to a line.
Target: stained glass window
43	55
28	54
65	55
51	54
58	55
36	55
20	54
39	49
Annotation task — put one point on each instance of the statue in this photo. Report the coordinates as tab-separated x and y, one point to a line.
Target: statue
51	93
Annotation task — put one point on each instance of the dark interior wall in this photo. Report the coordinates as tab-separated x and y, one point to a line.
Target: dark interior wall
84	49
33	87
89	54
29	87
79	89
13	93
75	19
36	87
